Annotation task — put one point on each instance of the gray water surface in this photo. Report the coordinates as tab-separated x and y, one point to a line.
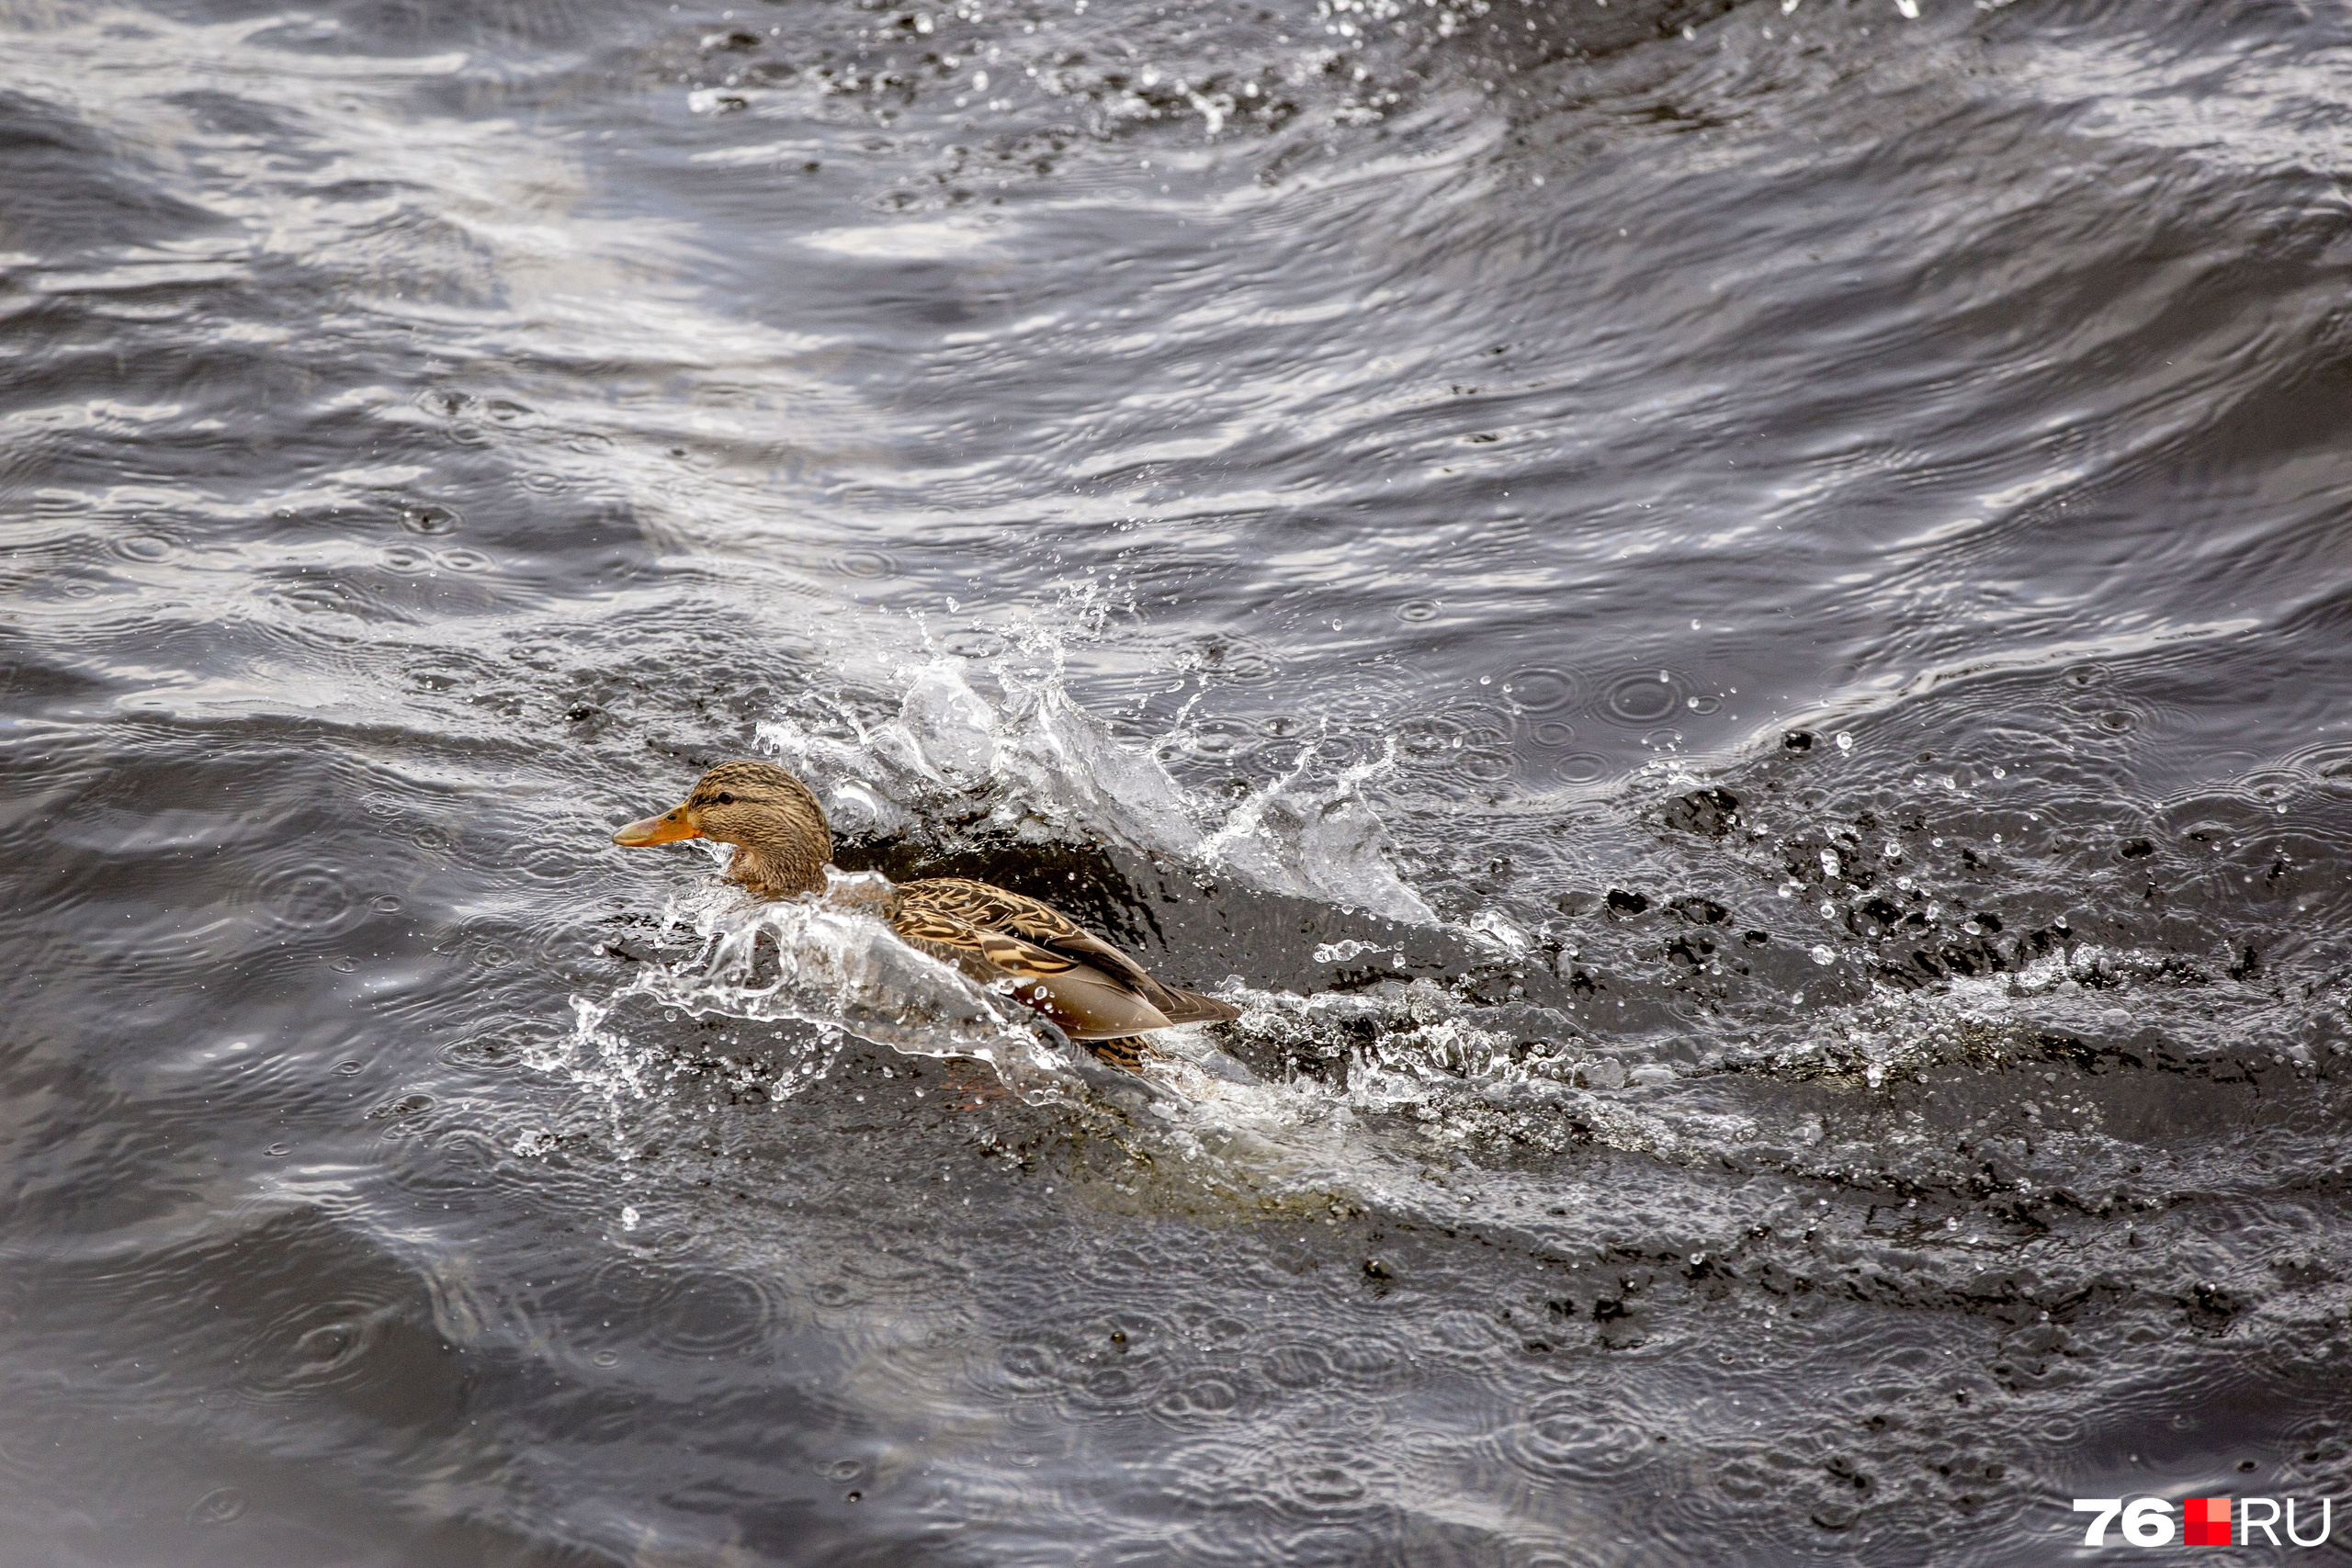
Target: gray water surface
1726	622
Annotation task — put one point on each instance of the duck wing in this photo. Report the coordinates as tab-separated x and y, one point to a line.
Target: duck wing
1085	984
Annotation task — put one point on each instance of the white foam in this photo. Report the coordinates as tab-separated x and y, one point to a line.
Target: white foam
828	961
1035	758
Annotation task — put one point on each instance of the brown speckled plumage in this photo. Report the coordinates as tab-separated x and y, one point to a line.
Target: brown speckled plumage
1095	992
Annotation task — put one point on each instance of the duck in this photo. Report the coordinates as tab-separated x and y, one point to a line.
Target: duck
1094	993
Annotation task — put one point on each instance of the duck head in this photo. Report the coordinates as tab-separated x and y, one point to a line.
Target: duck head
781	841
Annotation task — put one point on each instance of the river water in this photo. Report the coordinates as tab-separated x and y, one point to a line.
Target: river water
1726	622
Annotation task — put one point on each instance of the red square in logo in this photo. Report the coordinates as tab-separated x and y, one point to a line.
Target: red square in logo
2205	1521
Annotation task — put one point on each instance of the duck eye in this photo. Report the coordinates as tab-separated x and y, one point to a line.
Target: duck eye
725	798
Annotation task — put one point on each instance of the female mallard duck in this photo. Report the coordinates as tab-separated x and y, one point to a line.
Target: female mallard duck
1097	995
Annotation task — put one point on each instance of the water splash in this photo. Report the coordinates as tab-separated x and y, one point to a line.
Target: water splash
828	962
1036	764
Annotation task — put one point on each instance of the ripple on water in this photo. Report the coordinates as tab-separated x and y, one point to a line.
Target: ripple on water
2270	787
318	598
1105	1367
1199	1398
1365	1355
221	1506
554	861
431	518
490	1050
1035	1363
1566	1437
1429	741
1640	699
1232	660
1551	734
1297	1365
439	677
1113	1387
1257	1540
837	1293
1583	767
1264	1488
1329	1478
1474	1339
144	548
1220	739
317	1345
866	565
711	1313
621	1286
1542	689
311	899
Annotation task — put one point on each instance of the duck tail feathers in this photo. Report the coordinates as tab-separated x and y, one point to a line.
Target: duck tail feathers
1191	1006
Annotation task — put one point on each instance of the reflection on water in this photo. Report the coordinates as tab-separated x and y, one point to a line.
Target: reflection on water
1721	620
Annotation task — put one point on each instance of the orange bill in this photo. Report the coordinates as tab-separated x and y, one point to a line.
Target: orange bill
666	829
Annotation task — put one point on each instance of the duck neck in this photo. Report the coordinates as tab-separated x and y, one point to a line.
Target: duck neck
780	871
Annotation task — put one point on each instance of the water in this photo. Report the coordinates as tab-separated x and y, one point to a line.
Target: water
1725	621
